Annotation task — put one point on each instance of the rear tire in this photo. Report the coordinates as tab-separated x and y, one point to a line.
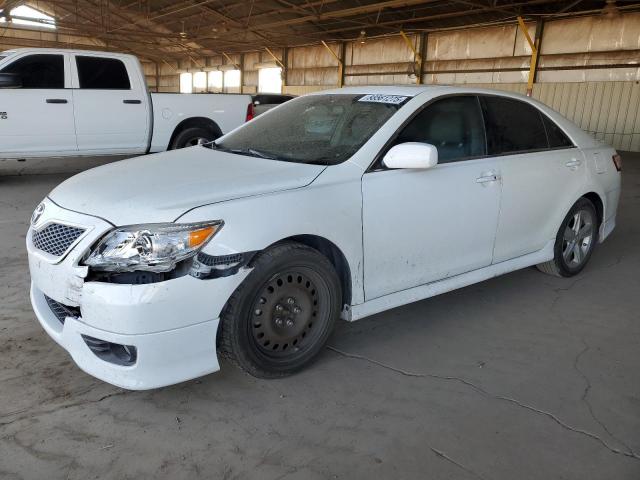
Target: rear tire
192	136
280	318
575	241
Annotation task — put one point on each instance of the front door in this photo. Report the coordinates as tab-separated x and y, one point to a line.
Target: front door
420	226
37	118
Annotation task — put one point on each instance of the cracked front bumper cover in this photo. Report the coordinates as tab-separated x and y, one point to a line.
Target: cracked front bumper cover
163	358
171	324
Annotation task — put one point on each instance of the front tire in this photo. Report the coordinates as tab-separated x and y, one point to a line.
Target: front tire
279	319
575	241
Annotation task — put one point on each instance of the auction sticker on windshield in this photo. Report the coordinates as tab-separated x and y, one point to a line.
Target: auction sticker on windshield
379	98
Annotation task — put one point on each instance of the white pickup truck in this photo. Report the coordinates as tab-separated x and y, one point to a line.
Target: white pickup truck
78	103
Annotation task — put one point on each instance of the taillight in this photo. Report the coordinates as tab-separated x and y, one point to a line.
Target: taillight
617	161
250	112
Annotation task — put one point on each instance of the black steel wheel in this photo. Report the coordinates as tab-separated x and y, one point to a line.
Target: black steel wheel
281	316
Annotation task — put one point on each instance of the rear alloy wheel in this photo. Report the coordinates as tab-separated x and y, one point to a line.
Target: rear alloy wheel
575	241
281	316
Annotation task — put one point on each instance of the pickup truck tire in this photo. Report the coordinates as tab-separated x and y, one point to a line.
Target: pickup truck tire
280	318
575	241
191	136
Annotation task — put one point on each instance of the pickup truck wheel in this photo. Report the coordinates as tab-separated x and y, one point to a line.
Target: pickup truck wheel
279	319
192	136
575	241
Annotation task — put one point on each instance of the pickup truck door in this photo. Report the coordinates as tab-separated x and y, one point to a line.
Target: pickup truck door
111	105
37	119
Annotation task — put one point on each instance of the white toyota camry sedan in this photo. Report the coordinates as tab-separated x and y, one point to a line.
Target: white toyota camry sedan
343	203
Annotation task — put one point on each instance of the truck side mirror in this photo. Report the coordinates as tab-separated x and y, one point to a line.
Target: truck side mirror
10	80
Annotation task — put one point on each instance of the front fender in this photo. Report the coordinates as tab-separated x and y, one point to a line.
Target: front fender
330	207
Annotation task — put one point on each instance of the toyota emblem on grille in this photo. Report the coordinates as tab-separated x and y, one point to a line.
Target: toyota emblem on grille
37	213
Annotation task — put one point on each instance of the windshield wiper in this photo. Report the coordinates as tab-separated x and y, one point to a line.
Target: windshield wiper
258	153
253	153
214	146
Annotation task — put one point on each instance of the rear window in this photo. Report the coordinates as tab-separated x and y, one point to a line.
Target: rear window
98	73
512	126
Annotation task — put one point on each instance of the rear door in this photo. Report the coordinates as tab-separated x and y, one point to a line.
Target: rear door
37	119
420	226
541	171
111	105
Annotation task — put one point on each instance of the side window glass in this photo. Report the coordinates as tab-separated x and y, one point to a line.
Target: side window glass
39	71
512	126
557	138
102	73
453	125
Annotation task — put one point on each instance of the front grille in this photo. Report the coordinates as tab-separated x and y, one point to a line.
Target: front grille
62	311
56	238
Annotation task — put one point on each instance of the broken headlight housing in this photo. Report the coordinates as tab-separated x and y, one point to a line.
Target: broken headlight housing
152	247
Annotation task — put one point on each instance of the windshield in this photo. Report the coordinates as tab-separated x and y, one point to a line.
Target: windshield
320	129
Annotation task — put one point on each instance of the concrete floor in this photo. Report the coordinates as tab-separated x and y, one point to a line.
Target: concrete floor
524	376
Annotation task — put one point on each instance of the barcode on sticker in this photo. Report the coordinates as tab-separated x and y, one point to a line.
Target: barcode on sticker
379	98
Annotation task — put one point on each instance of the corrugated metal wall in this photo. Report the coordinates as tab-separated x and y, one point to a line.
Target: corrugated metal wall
588	68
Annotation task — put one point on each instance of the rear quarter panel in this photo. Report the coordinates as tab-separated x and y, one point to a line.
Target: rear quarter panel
604	179
601	176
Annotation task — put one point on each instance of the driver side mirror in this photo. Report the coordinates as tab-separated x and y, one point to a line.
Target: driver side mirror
411	155
10	80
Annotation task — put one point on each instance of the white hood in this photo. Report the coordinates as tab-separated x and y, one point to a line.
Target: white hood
161	187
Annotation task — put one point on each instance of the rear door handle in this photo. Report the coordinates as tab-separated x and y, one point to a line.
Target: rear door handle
573	163
57	100
132	102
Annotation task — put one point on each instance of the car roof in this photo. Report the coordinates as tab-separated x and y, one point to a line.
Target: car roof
415	90
427	92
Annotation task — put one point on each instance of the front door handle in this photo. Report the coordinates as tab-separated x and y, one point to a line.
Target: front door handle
573	163
57	100
132	102
491	177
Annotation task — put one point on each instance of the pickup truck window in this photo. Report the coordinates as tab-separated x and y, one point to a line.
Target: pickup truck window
97	73
319	129
39	71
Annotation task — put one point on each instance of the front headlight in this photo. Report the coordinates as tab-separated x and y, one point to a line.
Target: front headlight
153	247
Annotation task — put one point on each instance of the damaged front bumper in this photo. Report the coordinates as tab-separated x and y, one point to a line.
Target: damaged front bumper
133	336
